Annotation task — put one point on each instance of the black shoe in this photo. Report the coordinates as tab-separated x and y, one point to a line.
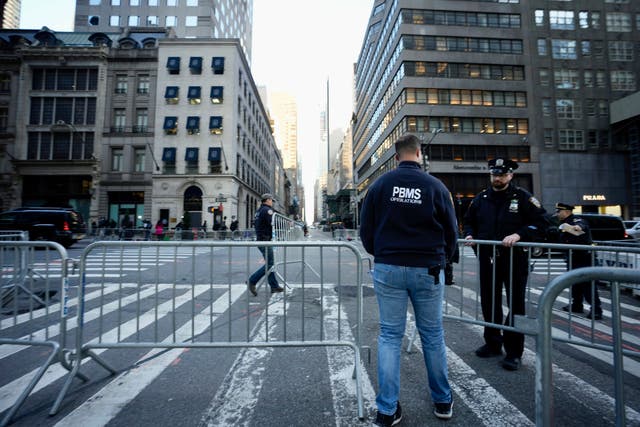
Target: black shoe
443	410
389	420
277	290
573	309
511	363
252	288
596	316
488	351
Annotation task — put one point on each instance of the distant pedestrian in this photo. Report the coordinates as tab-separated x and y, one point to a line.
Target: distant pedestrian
264	231
159	231
575	231
234	223
508	214
408	223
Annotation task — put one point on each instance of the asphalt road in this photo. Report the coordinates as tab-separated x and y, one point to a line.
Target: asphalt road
293	386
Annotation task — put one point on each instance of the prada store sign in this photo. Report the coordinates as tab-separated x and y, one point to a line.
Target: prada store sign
594	197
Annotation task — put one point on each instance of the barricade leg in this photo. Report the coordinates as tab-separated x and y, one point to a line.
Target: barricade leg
25	393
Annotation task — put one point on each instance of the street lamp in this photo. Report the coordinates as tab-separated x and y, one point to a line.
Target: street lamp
426	149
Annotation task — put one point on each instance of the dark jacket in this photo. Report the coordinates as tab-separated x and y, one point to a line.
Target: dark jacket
578	258
493	215
408	219
262	223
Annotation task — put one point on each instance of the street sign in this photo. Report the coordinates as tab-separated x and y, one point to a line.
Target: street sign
221	199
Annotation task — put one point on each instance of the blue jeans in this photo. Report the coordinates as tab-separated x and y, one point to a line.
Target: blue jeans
394	286
267	253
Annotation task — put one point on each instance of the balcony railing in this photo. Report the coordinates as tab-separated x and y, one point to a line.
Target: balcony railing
140	129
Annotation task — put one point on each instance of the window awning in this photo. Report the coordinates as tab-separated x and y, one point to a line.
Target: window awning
217	63
170	122
169	154
195	64
191	155
173	63
216	94
171	92
193	122
194	92
214	154
215	122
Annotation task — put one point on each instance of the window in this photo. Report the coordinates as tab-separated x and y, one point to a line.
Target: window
563	49
121	83
583	19
216	94
542	47
195	64
561	20
548	138
601	78
566	79
546	106
191	21
172	94
134	21
544	76
114	21
119	119
215	125
142	120
590	107
117	163
585	47
618	22
588	78
539	18
191	157
193	95
603	108
143	84
623	80
173	64
192	2
94	2
621	50
5	82
4	119
134	2
115	2
217	64
153	2
171	21
595	20
215	165
139	155
170	125
568	109
152	21
169	160
193	125
570	139
172	2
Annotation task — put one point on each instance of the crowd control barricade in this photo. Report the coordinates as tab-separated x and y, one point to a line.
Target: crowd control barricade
193	294
618	278
345	234
35	285
285	229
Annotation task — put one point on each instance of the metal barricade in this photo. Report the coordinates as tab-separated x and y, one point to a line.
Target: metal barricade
35	284
345	234
618	278
199	299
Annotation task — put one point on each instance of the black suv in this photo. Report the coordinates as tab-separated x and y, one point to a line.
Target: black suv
62	225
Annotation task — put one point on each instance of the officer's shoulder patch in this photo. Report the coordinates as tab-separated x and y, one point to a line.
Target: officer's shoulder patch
535	202
270	211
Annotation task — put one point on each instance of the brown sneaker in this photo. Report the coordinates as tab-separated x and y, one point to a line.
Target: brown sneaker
277	290
252	288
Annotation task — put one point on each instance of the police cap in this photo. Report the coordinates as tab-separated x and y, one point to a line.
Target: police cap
266	196
564	206
500	166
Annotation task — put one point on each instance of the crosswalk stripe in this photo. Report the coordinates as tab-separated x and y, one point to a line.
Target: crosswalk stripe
103	406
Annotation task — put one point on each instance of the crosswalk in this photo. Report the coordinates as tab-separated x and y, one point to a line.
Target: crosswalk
236	401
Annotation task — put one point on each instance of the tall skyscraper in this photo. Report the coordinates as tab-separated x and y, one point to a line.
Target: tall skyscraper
284	112
480	79
188	18
10	13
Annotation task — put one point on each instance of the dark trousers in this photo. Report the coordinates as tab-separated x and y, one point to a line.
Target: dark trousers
582	291
267	253
491	295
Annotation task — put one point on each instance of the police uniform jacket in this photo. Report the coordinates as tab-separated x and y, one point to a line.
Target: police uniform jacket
262	223
408	219
578	257
493	215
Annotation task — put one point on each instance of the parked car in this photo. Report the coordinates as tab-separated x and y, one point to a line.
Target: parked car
633	229
62	225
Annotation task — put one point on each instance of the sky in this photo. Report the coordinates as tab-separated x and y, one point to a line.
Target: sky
298	45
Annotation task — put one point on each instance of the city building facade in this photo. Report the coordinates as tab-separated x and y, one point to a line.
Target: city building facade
188	18
479	79
10	13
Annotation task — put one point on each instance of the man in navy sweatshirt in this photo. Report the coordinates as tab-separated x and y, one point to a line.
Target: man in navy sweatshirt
408	224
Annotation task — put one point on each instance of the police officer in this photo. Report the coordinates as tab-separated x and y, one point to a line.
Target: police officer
262	225
575	231
509	214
